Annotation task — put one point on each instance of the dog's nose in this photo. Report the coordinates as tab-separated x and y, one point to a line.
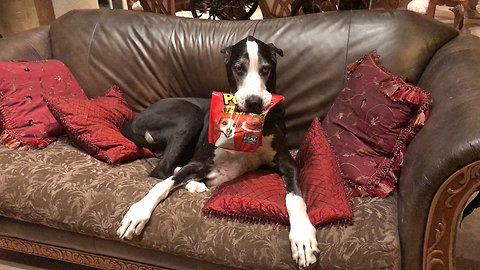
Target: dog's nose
254	104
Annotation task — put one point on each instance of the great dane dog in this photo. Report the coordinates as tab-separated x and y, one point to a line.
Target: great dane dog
178	125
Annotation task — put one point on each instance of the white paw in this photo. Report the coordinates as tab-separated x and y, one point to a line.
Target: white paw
303	240
196	187
303	236
134	221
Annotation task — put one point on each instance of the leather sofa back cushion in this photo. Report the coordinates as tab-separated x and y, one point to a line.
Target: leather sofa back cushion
152	56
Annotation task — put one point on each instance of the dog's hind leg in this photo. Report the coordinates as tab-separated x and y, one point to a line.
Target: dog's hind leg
177	153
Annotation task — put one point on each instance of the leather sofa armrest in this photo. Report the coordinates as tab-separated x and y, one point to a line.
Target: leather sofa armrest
449	141
31	45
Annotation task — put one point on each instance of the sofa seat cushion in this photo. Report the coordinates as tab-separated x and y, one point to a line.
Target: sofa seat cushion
65	188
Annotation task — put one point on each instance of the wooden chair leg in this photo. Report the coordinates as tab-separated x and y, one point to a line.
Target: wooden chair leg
431	8
459	13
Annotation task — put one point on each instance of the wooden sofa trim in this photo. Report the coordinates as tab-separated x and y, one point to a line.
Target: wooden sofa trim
71	255
446	208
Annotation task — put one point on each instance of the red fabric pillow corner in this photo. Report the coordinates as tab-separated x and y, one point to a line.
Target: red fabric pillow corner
95	125
371	123
25	120
260	195
321	180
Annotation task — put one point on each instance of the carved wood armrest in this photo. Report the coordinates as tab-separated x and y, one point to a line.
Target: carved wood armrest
445	211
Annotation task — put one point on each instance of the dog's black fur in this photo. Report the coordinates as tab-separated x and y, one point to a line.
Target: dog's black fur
178	127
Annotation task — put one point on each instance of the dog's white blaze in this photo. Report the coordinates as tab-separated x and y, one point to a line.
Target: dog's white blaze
229	164
253	83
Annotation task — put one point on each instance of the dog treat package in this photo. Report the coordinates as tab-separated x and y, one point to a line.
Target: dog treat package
230	128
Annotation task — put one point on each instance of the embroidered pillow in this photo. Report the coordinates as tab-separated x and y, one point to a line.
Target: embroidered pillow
260	195
370	124
25	120
95	125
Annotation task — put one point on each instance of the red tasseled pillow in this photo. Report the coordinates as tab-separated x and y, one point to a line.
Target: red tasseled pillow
371	123
260	195
25	121
95	125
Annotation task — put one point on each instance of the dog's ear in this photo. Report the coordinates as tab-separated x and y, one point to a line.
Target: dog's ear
274	51
228	52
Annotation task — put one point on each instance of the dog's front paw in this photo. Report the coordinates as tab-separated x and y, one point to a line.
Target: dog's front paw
134	221
303	240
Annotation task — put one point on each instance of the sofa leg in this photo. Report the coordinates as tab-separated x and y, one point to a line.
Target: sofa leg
445	212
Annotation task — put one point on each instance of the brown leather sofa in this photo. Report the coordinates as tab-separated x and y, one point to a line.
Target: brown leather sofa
61	203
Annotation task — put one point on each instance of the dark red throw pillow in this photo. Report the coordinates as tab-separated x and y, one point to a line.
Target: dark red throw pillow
25	120
95	125
260	195
255	196
370	124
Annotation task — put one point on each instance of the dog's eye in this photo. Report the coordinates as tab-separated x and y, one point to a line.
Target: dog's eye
265	70
238	70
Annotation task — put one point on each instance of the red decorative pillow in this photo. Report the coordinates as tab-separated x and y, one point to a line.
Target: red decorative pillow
371	123
95	125
24	117
260	195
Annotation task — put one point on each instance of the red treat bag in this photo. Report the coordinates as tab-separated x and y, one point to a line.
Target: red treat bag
233	129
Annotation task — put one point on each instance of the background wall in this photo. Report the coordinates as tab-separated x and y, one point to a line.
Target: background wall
61	6
20	15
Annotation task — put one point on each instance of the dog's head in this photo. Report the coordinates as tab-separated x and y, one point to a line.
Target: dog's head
251	65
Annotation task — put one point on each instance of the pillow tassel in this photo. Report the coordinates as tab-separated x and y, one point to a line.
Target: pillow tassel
9	140
398	90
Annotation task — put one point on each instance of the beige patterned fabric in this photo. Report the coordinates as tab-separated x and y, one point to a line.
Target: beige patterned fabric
63	187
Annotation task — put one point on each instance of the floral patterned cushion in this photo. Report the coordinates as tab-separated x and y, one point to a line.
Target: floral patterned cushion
65	188
95	125
371	123
25	121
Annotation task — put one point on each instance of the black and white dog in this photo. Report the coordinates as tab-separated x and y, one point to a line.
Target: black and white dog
178	126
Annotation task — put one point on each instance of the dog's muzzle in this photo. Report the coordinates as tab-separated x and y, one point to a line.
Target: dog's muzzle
254	104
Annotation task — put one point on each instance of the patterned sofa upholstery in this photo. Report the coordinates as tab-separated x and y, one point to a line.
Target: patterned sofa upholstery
62	203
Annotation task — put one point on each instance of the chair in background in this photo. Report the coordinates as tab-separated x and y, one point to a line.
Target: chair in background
275	8
282	8
458	9
169	7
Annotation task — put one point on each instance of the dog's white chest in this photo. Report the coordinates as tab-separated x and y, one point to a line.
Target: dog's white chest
229	164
